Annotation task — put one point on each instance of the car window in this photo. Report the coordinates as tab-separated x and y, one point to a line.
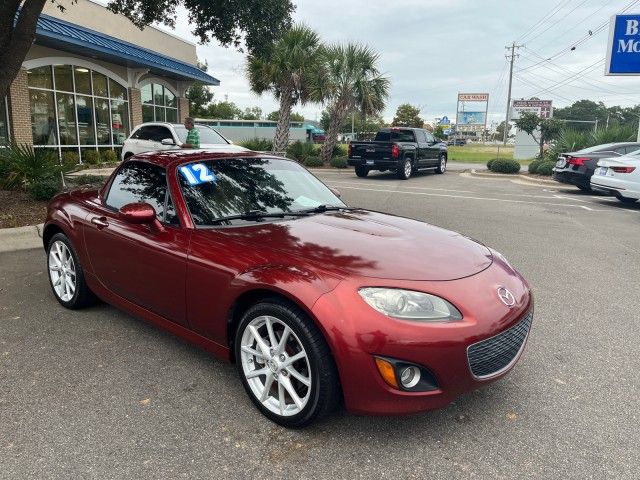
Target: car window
219	188
598	148
160	133
143	133
395	135
140	182
208	136
430	138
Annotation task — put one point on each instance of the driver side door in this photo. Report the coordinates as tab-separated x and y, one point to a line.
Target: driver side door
141	264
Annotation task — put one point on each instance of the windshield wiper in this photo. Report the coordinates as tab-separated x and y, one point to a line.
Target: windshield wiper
256	215
321	209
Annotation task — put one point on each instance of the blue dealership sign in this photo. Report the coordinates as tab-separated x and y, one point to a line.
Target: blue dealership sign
623	53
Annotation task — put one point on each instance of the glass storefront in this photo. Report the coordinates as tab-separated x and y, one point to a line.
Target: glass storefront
159	104
74	107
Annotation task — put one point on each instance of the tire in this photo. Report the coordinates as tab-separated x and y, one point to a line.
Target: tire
362	171
584	188
128	155
442	164
316	366
405	169
627	200
66	276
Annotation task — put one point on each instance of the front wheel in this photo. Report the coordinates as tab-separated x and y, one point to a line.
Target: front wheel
442	164
285	364
362	171
405	170
66	275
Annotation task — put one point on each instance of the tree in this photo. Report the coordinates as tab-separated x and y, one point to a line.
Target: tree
223	111
547	129
287	73
407	116
438	132
294	117
199	95
253	113
232	22
500	130
350	80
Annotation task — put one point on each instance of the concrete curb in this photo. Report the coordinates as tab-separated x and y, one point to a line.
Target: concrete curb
515	176
21	238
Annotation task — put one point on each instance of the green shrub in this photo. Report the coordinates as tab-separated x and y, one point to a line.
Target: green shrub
340	150
504	165
22	165
70	160
96	180
490	162
533	166
339	162
300	151
44	190
91	157
257	144
313	162
108	156
546	168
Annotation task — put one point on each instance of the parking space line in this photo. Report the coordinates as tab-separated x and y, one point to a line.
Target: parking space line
466	197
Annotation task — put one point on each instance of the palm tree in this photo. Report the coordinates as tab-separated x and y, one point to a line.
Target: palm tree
350	80
287	73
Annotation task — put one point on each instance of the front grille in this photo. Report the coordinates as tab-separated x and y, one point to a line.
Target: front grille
491	356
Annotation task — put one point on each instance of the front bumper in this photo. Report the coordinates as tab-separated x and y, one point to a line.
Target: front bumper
357	333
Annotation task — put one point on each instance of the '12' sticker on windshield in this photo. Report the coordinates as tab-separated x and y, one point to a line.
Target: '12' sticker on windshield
197	173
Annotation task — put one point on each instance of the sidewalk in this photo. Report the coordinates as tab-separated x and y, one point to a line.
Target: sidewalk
21	238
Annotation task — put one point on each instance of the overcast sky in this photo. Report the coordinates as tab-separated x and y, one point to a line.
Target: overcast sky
433	49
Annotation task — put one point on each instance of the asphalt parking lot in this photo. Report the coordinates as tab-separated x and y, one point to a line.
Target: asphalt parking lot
100	394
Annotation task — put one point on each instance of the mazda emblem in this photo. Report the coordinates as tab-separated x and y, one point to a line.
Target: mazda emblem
506	297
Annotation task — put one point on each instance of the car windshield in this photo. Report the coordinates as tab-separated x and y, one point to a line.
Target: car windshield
599	148
208	136
220	188
395	136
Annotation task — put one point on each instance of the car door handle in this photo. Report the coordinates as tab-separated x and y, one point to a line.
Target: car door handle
100	222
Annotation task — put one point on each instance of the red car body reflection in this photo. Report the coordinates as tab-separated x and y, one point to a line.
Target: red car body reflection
195	282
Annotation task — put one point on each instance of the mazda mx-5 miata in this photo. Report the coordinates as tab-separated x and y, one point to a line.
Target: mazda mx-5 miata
252	258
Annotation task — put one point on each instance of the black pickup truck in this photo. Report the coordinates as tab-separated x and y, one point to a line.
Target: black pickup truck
399	149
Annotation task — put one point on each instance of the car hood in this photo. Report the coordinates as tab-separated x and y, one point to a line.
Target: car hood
219	147
369	244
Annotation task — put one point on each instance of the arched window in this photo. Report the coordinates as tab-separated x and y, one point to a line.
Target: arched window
74	108
159	104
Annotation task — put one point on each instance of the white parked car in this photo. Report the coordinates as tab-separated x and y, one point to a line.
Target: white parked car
619	176
154	136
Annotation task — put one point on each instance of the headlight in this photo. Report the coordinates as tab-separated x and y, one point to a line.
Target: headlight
409	305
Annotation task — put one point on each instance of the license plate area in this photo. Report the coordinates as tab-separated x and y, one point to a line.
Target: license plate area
561	163
369	162
602	171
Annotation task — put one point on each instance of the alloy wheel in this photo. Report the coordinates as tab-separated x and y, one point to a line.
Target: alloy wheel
276	366
407	168
62	271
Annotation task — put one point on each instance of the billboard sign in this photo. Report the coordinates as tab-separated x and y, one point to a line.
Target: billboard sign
473	97
623	52
542	108
471	118
471	113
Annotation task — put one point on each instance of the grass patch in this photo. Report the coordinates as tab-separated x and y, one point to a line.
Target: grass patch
481	153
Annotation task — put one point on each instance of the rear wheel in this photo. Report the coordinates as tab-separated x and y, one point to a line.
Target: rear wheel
285	364
584	188
442	164
66	275
405	170
362	171
627	200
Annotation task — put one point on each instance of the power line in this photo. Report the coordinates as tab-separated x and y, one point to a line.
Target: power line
558	20
580	23
549	15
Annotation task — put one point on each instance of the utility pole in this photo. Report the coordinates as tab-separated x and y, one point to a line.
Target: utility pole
511	57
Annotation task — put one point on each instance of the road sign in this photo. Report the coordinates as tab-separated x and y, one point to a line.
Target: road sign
542	108
471	112
623	52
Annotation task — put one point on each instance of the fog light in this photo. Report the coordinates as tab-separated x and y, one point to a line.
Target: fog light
410	376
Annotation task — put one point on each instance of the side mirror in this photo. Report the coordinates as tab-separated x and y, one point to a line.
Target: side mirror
168	142
140	214
335	191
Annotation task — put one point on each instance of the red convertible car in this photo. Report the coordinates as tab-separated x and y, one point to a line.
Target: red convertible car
252	258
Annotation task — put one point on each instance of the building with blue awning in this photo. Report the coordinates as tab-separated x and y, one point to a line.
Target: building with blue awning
91	76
